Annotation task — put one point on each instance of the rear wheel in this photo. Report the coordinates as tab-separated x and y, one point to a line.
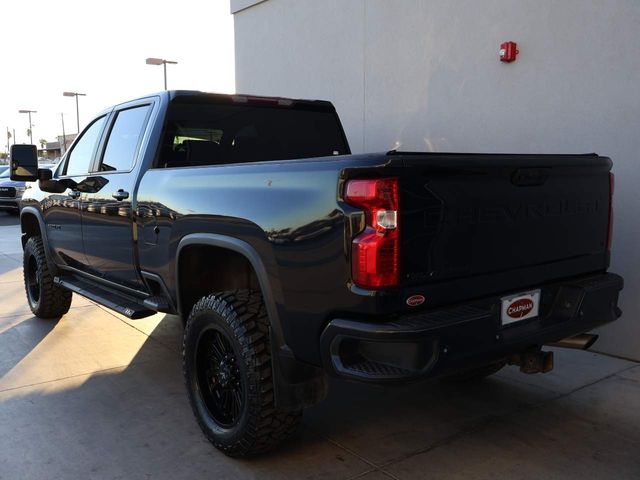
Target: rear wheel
228	374
46	299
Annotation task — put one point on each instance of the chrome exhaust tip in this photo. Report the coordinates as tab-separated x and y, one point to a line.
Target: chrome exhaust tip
580	342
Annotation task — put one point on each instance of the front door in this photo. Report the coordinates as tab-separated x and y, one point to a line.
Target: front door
61	211
107	202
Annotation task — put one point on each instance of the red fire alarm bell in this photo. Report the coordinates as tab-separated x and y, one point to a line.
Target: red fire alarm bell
508	51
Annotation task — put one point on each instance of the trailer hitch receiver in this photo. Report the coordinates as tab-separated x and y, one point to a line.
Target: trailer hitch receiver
533	361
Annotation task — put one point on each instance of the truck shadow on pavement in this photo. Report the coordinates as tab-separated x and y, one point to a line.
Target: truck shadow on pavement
17	343
134	421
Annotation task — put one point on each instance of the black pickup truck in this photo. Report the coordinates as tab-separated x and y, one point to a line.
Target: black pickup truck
290	260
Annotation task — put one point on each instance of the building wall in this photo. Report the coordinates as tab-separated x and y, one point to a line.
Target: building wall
424	75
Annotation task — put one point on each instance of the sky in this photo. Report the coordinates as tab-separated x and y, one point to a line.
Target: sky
99	48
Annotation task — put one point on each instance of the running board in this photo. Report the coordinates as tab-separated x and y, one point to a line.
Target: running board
158	303
125	305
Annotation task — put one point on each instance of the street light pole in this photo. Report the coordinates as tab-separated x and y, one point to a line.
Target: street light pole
29	112
64	137
75	94
164	66
163	62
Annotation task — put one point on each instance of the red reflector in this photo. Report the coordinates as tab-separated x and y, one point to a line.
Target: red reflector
376	251
610	232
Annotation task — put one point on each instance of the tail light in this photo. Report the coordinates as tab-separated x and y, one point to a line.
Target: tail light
610	233
376	250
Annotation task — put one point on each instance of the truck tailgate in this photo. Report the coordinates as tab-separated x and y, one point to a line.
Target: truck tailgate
478	215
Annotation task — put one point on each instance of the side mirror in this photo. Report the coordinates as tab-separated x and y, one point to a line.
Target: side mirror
24	163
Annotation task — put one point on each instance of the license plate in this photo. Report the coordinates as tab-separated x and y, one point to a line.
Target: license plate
521	306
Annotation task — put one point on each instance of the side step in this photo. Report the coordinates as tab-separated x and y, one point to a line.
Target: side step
126	305
157	303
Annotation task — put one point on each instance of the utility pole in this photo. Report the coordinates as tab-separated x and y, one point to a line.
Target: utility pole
8	138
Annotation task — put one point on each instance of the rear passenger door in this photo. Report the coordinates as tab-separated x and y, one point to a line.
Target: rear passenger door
107	207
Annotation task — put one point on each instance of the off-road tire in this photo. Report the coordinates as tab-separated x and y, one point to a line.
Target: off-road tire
240	315
46	299
476	374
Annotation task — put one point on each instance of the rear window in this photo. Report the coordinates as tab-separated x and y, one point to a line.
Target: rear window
198	133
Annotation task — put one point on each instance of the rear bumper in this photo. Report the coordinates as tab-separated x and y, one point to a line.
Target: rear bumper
445	340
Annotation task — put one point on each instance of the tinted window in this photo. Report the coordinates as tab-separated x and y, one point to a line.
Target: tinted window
124	139
200	133
82	154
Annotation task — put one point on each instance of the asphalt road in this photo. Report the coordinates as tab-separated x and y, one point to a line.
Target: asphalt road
98	396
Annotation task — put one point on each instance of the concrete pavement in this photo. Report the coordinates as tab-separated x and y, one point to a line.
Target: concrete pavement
99	396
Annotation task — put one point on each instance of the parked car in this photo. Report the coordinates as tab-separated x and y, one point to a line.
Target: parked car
11	191
289	259
3	168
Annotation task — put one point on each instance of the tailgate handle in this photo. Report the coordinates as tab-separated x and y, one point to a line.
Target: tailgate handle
527	177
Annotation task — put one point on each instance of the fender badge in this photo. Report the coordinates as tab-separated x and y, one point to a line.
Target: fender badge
415	300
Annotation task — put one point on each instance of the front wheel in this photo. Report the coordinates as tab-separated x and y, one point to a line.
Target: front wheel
46	299
228	374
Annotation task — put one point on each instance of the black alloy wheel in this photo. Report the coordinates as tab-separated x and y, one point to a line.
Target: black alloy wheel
32	281
219	379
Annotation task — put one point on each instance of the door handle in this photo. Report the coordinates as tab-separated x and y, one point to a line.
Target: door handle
120	195
74	193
